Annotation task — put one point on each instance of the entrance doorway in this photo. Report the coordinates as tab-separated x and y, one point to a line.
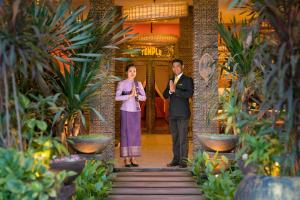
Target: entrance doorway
154	76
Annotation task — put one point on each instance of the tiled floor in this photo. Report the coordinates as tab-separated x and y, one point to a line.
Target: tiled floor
156	151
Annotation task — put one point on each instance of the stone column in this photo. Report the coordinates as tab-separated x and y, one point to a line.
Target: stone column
185	42
104	102
185	48
150	102
205	37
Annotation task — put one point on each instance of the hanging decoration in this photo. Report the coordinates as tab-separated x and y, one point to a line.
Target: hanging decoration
156	11
154	39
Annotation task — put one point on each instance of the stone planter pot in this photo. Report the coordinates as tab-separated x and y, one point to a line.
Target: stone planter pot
68	163
218	142
268	187
94	143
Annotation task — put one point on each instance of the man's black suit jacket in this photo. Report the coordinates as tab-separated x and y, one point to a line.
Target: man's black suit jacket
179	100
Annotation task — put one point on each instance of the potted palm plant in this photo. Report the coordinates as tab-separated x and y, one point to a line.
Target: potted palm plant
227	141
244	84
81	79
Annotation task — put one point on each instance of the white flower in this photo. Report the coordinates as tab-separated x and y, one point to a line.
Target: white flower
249	40
245	156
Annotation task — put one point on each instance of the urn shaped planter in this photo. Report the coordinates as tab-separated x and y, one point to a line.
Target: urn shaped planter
218	142
69	163
89	144
268	187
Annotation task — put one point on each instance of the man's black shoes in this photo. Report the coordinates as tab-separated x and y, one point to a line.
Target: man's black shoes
172	164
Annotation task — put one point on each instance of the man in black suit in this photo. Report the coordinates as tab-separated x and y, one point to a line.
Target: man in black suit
179	89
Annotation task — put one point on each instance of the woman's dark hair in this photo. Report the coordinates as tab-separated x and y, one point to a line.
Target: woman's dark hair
178	61
128	66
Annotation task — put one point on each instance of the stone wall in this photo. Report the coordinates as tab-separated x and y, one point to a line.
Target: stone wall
205	38
104	102
185	42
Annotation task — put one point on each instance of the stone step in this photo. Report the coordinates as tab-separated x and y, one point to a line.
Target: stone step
141	169
151	174
156	191
162	184
153	179
155	197
155	185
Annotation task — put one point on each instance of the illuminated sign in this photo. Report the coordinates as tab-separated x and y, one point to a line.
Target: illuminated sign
151	51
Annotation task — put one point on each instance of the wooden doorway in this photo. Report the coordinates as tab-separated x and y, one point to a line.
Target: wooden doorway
154	75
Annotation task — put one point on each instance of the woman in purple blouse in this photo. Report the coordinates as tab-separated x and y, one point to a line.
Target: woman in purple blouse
130	92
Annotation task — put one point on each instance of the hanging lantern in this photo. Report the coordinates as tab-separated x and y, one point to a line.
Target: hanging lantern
154	38
156	11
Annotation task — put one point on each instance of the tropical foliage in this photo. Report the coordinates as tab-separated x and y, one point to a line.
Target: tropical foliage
23	177
31	37
270	78
51	67
95	181
60	59
215	186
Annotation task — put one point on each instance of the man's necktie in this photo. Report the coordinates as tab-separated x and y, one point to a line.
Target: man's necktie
176	80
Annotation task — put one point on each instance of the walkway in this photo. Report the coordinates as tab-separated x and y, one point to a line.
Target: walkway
156	151
155	185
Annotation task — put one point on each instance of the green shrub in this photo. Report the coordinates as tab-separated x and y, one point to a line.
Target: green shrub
23	177
95	181
221	186
203	164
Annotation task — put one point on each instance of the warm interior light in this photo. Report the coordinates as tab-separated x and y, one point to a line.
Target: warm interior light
155	11
154	38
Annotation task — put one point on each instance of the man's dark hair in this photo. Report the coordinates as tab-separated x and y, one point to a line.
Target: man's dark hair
128	66
177	60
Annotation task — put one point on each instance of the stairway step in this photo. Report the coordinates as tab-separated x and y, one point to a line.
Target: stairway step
154	179
156	191
155	197
141	169
169	174
162	184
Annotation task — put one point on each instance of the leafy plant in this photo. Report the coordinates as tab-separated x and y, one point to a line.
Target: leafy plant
36	124
242	43
32	38
95	181
23	177
260	142
215	186
91	136
279	61
231	106
76	86
263	151
79	82
203	164
222	186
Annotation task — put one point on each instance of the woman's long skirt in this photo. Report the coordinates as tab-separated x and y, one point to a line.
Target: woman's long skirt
130	134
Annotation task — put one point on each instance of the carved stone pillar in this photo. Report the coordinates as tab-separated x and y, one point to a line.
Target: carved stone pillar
205	15
185	42
104	102
150	102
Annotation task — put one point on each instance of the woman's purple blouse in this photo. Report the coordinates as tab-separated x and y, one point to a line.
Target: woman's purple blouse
129	103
